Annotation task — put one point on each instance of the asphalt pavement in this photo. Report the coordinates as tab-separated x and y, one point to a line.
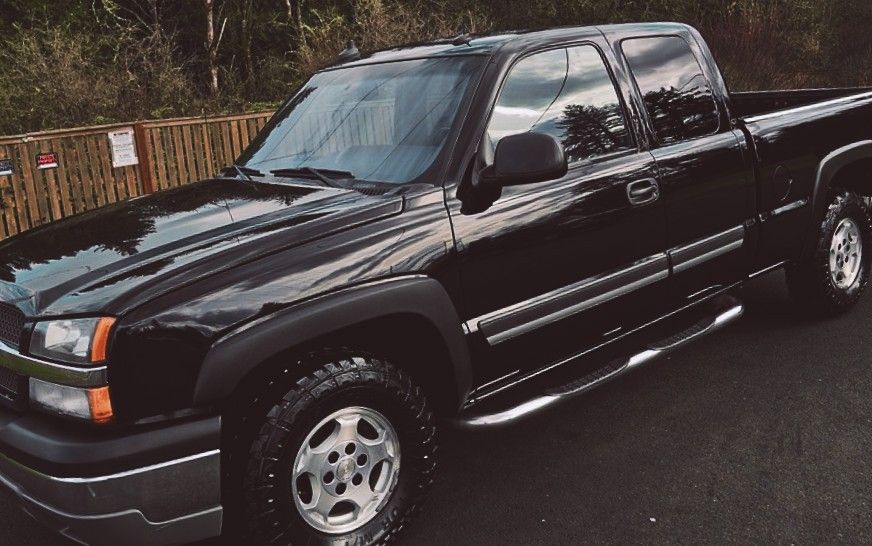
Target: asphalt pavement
759	434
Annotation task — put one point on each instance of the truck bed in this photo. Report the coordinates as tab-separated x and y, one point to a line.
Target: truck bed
754	103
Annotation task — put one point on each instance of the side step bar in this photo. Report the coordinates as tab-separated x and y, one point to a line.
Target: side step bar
473	420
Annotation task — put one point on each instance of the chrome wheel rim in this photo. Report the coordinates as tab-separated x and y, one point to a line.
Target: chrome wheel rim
846	254
346	470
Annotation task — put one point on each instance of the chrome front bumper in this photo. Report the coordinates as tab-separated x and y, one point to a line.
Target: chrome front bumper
175	502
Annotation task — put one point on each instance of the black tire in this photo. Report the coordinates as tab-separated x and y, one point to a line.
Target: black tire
340	379
810	282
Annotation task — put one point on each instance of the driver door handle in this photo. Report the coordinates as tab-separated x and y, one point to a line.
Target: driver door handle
642	192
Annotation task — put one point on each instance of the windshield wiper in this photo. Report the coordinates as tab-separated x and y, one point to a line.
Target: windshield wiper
327	176
244	172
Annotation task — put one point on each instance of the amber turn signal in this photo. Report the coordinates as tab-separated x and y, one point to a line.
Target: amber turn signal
100	342
100	404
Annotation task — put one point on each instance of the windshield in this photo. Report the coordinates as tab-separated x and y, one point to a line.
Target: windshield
383	122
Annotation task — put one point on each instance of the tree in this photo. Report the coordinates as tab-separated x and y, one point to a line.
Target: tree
295	22
213	42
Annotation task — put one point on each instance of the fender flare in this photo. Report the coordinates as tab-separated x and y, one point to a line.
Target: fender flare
827	171
235	355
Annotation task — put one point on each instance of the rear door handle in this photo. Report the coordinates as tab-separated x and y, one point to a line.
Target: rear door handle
642	192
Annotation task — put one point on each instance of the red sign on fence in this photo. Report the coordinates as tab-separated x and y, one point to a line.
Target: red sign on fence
47	161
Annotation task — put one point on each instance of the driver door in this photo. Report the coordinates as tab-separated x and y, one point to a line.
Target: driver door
551	269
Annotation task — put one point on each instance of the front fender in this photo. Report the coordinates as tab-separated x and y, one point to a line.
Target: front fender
237	354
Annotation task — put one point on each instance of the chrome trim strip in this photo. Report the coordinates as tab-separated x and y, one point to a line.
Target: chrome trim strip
687	264
765	270
788	208
808	107
484	386
504	324
709	248
135	471
705	290
49	371
539	403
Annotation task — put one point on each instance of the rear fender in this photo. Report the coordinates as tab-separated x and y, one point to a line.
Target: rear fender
827	172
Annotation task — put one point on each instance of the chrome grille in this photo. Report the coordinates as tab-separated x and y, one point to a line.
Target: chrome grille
11	324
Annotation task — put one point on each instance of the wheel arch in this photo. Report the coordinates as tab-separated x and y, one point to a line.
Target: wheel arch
409	319
842	169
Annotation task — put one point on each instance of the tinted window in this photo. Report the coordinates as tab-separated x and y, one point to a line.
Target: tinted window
529	90
574	99
677	96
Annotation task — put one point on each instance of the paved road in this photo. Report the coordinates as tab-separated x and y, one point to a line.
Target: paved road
759	434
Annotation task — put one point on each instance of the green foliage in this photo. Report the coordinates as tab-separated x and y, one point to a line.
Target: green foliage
119	60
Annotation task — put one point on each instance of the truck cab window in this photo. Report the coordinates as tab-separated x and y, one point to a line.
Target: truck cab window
568	94
528	92
677	95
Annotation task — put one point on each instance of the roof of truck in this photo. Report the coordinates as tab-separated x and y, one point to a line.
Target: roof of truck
505	41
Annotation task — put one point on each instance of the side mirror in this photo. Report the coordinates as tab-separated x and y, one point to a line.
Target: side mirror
526	158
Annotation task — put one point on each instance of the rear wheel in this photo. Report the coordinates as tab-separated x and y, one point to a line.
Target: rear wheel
833	278
344	456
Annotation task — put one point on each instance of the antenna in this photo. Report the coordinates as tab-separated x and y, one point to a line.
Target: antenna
350	53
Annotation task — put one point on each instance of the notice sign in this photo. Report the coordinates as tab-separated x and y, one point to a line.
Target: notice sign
6	167
123	148
47	161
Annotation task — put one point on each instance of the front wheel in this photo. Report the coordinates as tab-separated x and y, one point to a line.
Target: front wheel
345	456
833	278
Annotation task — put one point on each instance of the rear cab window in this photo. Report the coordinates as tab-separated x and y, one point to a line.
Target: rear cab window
567	93
677	96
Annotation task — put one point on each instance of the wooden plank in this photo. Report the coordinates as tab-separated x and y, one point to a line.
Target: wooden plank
143	153
177	158
207	151
134	183
233	127
226	158
217	119
83	191
190	163
159	154
7	191
170	159
63	176
99	184
18	187
28	168
198	151
7	202
244	139
109	172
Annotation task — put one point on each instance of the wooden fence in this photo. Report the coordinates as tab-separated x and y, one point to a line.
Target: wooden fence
169	152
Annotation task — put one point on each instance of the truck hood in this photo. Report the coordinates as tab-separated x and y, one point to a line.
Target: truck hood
103	260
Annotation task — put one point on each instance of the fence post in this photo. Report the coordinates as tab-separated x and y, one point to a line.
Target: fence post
144	157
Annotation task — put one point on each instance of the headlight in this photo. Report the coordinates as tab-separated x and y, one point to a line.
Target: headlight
74	341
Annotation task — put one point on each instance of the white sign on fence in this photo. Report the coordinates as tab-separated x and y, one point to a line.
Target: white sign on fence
123	148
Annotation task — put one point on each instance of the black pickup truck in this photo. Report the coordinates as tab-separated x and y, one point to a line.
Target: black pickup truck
465	231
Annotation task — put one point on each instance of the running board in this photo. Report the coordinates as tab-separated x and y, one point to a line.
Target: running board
481	420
